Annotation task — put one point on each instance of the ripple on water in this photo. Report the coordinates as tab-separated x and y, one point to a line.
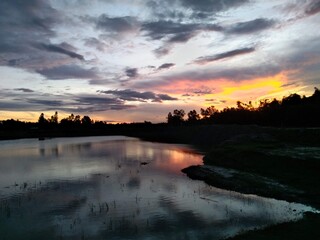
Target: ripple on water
97	188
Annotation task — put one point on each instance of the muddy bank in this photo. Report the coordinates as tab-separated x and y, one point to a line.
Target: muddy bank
264	164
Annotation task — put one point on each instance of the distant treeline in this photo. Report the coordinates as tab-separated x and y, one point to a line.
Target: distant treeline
291	111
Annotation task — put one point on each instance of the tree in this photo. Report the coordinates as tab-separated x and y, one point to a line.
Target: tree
42	119
177	117
54	118
208	112
86	120
193	116
291	100
77	119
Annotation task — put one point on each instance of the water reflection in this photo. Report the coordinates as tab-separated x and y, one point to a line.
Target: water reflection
119	188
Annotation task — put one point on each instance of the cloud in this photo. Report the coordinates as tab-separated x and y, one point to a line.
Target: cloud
68	103
166	97
27	28
116	25
171	32
234	74
130	95
98	104
313	7
51	103
68	72
212	74
59	49
163	50
216	57
191	9
212	5
252	26
131	72
202	90
17	106
95	43
26	90
175	31
25	22
166	66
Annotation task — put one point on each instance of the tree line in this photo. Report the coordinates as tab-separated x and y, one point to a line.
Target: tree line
293	110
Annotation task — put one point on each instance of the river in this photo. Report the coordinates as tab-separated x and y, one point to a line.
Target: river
120	188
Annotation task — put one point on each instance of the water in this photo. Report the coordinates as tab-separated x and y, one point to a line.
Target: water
120	188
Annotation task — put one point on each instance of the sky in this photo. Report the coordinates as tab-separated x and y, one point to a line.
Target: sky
137	60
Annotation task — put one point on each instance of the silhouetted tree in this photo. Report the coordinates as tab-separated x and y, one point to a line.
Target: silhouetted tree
42	119
86	121
292	99
193	116
77	120
208	112
54	118
177	117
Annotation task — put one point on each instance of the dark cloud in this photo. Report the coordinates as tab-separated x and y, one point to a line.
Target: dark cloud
70	103
166	66
51	103
313	7
98	100
252	26
26	31
175	31
212	5
191	9
59	49
131	72
26	90
16	105
166	97
68	72
116	24
216	57
98	104
130	95
25	22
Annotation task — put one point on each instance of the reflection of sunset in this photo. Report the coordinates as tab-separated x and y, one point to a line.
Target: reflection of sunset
177	159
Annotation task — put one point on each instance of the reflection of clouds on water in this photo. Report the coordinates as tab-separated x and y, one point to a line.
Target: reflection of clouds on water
97	188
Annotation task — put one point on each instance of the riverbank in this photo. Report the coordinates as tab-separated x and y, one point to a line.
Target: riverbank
271	162
277	163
